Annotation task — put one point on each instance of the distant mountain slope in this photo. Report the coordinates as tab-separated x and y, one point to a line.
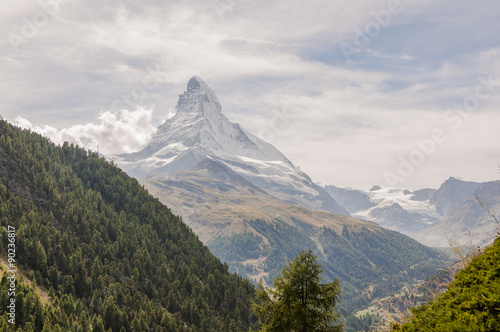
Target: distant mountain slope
450	195
471	302
113	257
392	208
199	130
470	223
351	199
430	216
256	234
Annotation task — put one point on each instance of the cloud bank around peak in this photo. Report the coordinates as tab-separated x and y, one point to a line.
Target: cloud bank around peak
112	133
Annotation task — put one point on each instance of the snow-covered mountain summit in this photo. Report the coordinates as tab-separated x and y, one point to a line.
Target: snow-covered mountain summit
199	130
200	125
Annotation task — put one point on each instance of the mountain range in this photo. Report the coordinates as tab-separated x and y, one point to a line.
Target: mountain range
106	252
453	212
256	210
97	252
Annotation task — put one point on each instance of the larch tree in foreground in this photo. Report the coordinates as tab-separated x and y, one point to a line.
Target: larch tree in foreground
298	302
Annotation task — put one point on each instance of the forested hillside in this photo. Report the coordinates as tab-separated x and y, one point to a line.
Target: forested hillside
110	255
371	263
471	302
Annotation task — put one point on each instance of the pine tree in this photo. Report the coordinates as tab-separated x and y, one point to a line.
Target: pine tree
298	302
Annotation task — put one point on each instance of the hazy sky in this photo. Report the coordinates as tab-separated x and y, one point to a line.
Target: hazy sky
402	93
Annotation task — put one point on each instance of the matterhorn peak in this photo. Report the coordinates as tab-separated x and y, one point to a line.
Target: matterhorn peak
198	98
196	83
199	130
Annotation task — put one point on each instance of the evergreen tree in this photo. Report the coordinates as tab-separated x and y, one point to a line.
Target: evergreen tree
298	302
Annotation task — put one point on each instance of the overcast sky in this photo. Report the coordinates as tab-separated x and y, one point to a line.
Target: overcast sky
401	93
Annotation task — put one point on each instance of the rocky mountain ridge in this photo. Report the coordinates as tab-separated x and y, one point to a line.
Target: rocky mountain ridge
431	216
199	131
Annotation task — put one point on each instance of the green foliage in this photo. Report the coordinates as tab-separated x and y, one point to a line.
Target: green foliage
365	322
298	302
361	259
113	257
30	314
471	302
237	247
382	259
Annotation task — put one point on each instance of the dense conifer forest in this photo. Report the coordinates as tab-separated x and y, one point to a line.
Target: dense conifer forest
110	256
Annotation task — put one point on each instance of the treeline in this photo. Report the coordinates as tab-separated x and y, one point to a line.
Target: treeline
105	249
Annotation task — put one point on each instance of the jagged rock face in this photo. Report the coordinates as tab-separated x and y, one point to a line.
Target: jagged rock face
471	222
199	125
199	130
452	194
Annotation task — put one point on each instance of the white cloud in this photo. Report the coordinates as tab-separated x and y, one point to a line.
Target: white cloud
114	133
